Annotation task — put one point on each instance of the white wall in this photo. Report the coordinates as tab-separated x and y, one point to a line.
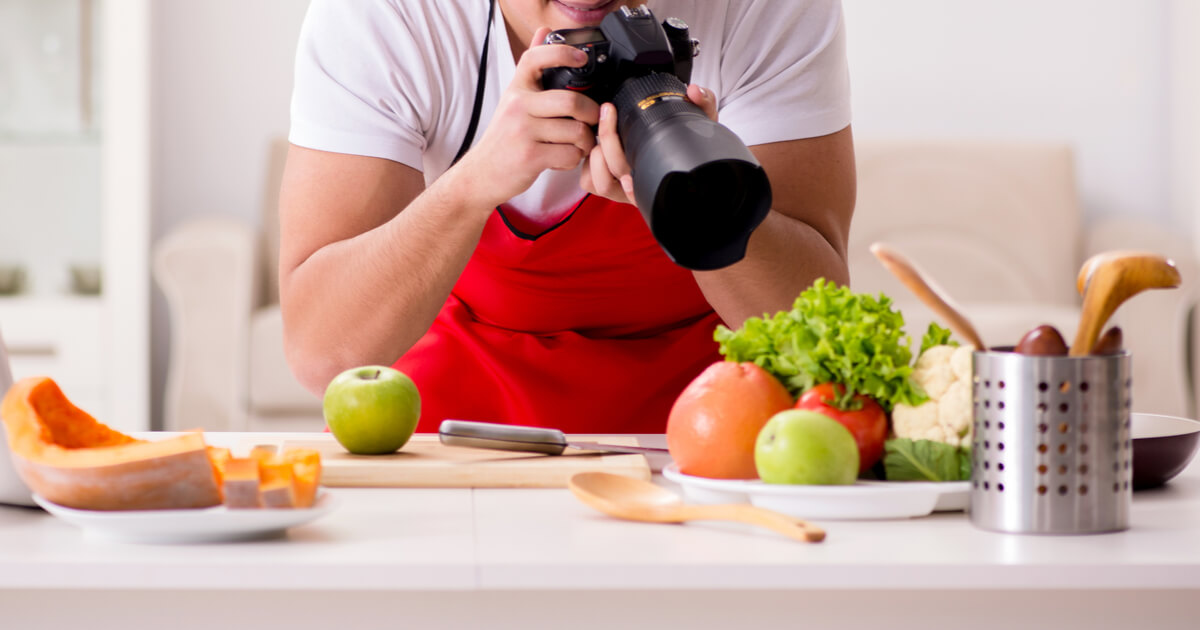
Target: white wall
1095	73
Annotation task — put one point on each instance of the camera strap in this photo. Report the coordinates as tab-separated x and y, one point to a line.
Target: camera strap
480	83
469	137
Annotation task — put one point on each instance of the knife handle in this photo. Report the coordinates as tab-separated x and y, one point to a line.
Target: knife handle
504	437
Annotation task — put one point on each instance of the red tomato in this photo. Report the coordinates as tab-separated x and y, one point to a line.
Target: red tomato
868	423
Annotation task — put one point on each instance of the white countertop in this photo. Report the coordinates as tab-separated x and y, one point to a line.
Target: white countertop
538	541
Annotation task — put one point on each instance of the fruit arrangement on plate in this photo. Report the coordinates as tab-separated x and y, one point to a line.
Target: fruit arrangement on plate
828	393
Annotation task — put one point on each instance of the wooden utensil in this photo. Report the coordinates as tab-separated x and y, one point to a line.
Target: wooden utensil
929	293
1106	280
637	500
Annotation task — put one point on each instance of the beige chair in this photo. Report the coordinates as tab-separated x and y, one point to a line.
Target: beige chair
227	369
998	224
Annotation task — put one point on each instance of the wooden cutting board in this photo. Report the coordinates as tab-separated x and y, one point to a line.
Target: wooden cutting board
426	463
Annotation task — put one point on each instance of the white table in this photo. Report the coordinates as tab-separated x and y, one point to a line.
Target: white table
432	558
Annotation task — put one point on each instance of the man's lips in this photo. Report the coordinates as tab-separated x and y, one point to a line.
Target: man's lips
584	13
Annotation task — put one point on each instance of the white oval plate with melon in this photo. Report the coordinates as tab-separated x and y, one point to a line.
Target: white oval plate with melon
864	500
214	524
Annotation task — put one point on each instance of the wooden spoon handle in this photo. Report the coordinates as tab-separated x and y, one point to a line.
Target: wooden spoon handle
1098	306
797	529
927	292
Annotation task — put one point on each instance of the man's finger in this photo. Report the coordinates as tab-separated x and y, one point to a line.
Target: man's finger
564	104
704	99
610	143
539	57
539	36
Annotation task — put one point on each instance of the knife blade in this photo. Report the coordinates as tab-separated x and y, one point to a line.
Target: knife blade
507	437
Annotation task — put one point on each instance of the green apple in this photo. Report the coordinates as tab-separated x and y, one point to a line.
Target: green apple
372	410
798	446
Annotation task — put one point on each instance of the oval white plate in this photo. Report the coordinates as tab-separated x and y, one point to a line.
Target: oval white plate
214	524
865	500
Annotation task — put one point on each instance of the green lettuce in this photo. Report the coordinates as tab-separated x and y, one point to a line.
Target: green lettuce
925	460
936	336
831	335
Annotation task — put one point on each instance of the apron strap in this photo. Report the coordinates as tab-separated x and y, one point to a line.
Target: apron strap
480	83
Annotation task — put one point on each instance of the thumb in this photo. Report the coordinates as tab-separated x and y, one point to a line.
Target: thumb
704	99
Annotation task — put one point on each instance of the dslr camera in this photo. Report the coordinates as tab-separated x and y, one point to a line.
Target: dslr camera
696	183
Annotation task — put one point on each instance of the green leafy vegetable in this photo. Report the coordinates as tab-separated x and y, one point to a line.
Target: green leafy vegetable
831	335
925	460
936	336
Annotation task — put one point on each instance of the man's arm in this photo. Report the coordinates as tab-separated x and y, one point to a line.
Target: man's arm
368	255
361	281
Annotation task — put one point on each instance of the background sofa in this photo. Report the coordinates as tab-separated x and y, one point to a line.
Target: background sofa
997	224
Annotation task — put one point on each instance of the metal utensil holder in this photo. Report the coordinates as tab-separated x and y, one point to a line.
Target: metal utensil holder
1051	452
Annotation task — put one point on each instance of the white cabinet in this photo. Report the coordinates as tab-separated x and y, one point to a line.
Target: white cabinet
97	347
60	337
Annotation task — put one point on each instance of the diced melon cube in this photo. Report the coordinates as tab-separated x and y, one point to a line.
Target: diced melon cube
276	490
241	483
306	474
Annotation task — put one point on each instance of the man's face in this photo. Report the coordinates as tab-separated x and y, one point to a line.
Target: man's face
524	17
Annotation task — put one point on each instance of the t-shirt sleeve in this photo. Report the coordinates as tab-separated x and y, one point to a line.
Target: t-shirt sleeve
783	71
353	92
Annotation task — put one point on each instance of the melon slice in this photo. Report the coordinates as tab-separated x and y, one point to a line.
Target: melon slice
63	454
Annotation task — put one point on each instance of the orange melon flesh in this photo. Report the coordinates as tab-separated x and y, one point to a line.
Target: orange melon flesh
306	474
241	483
63	454
276	490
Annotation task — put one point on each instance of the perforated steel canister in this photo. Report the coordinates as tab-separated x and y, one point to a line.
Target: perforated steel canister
1051	451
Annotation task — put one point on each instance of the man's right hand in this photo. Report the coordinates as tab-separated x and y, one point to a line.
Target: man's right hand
532	129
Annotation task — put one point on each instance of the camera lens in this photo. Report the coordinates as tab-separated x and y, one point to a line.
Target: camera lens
698	186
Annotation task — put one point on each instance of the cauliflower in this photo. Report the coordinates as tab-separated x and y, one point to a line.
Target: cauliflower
944	372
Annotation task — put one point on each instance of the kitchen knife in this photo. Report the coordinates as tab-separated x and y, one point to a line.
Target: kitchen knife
506	437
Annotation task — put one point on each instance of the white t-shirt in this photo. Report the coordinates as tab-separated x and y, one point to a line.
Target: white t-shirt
395	79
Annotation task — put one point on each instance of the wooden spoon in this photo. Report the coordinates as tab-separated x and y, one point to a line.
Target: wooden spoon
1106	280
637	500
928	292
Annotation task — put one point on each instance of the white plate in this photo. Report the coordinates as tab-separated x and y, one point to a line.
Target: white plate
214	524
864	500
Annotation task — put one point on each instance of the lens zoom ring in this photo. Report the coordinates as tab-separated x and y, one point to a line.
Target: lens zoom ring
641	98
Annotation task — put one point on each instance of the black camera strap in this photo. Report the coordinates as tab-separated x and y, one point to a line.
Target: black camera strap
476	110
480	84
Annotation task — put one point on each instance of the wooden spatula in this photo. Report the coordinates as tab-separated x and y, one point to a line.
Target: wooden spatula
1106	280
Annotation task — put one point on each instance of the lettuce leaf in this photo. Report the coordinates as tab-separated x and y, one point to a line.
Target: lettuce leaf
935	336
925	460
831	335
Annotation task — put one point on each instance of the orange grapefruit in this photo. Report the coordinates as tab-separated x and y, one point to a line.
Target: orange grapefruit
714	423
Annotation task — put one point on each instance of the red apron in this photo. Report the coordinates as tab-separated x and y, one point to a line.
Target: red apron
589	328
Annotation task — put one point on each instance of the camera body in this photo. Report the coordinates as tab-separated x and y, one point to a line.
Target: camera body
628	43
697	185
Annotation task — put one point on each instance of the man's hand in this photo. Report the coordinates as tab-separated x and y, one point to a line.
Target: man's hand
533	129
605	171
